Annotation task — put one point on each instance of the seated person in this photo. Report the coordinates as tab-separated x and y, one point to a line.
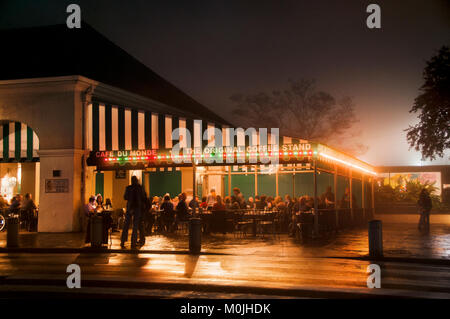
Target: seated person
204	204
29	207
219	205
182	211
234	203
28	203
168	214
99	202
108	204
194	203
16	203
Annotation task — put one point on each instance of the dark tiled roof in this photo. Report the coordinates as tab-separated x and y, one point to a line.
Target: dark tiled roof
58	51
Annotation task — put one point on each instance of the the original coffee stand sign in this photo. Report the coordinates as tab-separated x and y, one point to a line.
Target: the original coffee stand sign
210	155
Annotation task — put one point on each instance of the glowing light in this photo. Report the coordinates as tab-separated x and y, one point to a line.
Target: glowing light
347	163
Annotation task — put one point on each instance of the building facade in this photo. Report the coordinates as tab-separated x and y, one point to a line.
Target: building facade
80	116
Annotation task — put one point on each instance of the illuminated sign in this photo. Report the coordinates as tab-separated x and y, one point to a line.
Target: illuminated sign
210	155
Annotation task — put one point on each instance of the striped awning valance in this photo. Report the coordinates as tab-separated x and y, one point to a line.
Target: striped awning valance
18	143
113	128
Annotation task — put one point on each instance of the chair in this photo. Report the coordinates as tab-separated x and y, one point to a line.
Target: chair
218	222
267	223
240	225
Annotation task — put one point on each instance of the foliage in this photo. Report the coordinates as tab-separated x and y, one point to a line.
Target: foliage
407	193
300	111
431	136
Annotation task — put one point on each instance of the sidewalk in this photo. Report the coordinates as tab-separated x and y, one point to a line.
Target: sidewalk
233	267
400	240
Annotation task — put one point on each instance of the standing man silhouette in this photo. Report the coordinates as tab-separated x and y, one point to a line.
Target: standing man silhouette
136	205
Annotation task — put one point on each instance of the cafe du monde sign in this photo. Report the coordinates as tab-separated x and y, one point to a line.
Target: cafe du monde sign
210	154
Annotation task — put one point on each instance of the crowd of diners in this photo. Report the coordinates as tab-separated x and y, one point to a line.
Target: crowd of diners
174	210
23	206
166	213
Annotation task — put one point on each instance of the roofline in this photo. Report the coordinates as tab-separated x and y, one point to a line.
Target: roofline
103	92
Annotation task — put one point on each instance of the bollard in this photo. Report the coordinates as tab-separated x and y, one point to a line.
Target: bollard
96	231
195	235
12	236
375	238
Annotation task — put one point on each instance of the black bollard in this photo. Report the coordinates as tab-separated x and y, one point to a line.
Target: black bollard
375	238
12	236
195	235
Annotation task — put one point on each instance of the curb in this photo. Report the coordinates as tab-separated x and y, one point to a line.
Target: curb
428	261
90	250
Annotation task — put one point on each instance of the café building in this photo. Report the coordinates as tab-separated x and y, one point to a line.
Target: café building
79	116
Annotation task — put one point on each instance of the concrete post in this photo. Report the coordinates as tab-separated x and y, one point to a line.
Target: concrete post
375	238
12	236
195	235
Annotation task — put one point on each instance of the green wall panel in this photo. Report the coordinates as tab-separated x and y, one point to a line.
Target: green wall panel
165	182
99	183
267	185
246	183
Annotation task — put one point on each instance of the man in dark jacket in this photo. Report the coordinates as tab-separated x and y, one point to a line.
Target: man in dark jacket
136	205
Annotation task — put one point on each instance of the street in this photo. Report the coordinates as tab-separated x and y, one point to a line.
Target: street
233	267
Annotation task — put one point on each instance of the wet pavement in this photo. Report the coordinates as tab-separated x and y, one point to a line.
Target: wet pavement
400	239
270	266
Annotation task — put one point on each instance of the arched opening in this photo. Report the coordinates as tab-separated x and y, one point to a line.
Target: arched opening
19	160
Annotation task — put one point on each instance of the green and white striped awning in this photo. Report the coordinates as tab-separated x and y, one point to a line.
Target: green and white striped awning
18	143
113	128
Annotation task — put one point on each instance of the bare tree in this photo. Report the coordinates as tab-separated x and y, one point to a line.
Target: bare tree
300	111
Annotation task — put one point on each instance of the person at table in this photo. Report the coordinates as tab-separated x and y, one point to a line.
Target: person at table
156	202
204	204
108	203
327	198
28	203
30	208
239	197
167	214
262	203
228	202
212	198
175	201
345	201
270	203
99	202
89	210
250	203
182	212
234	203
136	205
194	204
288	202
16	204
219	205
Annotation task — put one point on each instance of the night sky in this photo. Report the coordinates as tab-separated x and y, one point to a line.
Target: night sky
213	49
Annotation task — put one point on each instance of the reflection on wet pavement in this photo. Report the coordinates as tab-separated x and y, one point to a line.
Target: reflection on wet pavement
401	239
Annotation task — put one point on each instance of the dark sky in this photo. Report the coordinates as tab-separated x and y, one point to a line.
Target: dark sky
212	49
